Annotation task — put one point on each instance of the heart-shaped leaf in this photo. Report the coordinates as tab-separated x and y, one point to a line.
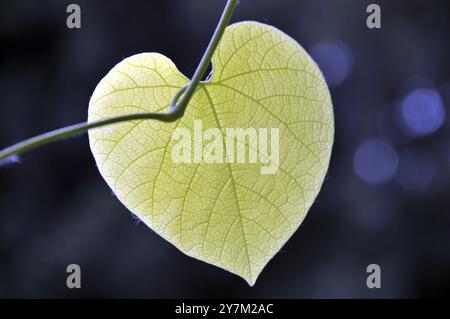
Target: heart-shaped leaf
232	214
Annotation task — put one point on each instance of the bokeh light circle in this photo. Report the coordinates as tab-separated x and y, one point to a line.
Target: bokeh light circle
422	112
375	161
335	60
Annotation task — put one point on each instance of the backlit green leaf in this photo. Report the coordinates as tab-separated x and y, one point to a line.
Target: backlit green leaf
231	215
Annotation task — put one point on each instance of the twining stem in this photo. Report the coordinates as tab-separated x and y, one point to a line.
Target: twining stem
72	130
206	59
177	109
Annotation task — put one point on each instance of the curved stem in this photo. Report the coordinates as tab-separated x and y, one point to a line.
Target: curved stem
76	129
206	59
177	96
184	95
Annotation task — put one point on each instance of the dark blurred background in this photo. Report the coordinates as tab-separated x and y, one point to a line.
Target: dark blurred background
385	199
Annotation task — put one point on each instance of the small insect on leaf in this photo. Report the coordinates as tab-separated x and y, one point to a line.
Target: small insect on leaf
232	180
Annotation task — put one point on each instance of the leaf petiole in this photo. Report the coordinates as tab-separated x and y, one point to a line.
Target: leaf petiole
184	95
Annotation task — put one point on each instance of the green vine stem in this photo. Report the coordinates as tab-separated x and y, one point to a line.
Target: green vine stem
178	105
